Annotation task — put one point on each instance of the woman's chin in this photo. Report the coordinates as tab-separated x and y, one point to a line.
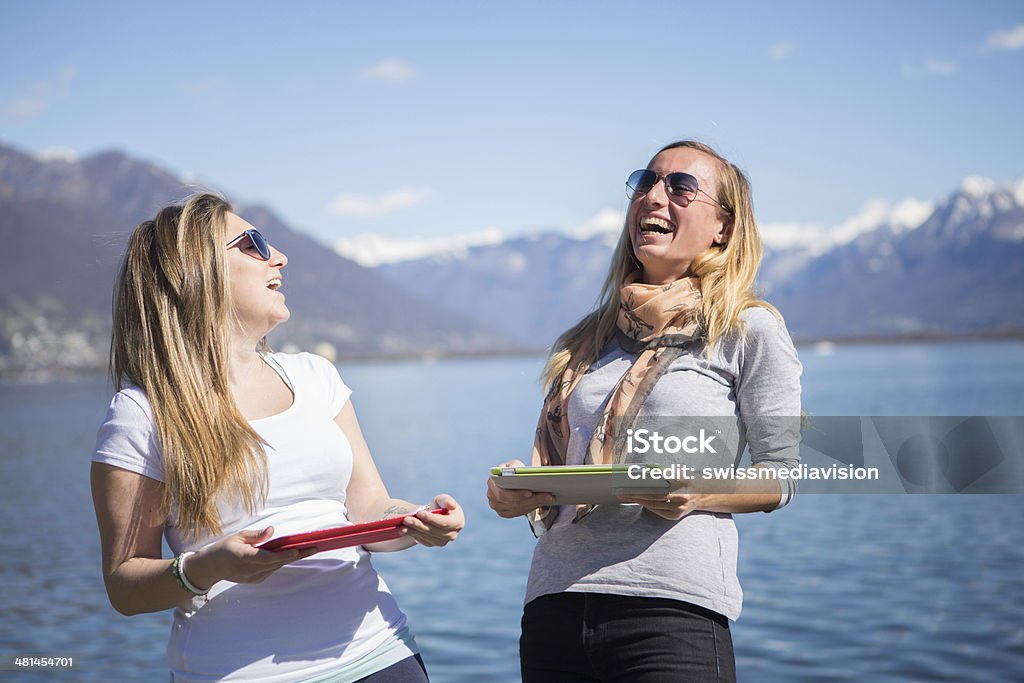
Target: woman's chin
653	255
280	317
660	270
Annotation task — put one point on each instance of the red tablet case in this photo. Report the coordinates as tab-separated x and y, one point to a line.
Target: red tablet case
343	536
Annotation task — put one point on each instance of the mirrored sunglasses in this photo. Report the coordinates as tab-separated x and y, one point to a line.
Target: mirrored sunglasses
681	188
255	240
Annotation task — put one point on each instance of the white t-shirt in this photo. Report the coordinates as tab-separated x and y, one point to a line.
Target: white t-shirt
309	618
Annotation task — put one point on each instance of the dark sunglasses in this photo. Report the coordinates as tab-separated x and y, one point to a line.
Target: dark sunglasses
256	240
681	188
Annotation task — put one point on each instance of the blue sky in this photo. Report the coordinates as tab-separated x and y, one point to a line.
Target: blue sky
428	119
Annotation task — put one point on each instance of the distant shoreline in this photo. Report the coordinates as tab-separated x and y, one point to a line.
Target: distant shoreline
1012	335
1016	335
20	375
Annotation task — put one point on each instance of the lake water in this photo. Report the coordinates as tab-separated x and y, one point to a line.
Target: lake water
837	587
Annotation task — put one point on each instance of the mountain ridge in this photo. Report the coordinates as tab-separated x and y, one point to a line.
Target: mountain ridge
882	273
835	287
69	221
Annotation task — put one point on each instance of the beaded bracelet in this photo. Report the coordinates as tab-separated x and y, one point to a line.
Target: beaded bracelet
178	569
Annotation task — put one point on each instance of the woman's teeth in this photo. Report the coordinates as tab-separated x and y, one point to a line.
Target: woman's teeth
275	283
658	225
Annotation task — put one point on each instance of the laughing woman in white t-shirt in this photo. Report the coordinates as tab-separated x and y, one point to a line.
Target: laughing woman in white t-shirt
220	445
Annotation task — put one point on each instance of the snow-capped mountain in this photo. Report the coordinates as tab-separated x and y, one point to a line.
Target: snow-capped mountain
960	271
788	247
526	287
369	249
954	266
949	267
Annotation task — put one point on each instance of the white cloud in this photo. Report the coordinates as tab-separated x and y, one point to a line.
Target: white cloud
939	67
780	50
792	235
389	71
40	96
56	153
368	206
1008	39
371	250
604	222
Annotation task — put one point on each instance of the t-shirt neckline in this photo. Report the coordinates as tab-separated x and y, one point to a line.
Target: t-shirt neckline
276	366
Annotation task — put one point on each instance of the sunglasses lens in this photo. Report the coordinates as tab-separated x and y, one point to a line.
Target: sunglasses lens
682	185
260	242
640	182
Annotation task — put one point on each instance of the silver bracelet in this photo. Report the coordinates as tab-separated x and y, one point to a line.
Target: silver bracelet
178	569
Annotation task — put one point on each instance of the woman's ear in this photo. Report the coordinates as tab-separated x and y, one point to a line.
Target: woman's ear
722	236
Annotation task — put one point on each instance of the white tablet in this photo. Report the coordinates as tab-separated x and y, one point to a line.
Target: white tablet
583	484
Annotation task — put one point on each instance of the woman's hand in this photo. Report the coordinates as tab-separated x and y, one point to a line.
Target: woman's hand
515	502
689	494
671	506
430	529
710	494
236	558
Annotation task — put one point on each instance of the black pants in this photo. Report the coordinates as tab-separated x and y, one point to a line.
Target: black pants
577	637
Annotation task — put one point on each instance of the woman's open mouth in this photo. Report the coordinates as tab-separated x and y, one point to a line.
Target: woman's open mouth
650	228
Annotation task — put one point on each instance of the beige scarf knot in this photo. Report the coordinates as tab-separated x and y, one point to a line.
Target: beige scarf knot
655	322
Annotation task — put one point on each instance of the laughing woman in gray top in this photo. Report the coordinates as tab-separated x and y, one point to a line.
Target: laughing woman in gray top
644	592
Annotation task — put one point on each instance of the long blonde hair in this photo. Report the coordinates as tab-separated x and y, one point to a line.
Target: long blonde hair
726	273
170	339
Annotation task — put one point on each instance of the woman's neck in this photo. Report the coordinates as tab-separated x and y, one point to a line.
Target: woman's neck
654	277
244	363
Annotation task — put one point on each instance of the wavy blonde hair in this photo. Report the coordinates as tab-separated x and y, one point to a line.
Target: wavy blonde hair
170	338
726	272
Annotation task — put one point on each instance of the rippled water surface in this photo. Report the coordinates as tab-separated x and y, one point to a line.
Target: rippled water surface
836	587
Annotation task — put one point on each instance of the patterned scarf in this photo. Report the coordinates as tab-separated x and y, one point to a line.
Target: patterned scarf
655	322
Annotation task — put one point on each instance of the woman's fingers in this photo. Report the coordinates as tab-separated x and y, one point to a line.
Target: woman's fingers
652	498
671	506
515	502
239	559
508	496
512	463
433	529
444	502
432	526
428	537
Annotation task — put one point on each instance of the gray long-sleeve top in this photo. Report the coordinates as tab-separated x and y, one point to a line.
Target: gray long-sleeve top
625	550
